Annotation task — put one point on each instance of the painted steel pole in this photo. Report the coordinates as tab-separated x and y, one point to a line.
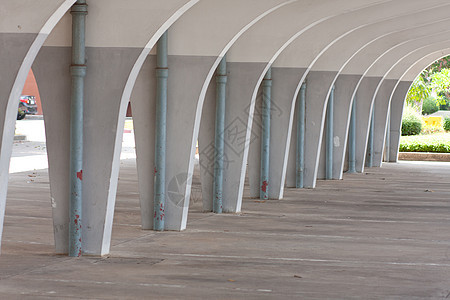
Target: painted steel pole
329	137
221	80
300	161
352	140
162	74
369	162
265	134
78	72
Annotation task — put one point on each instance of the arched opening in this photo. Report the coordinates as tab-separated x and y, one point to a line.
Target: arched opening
426	115
28	218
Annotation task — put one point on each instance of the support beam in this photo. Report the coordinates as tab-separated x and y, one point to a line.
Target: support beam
78	72
300	161
54	82
369	158
381	119
317	95
265	134
388	136
187	74
329	137
352	140
162	73
283	137
240	130
345	101
219	144
365	91
397	102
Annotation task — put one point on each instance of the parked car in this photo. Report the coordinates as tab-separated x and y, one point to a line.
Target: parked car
27	106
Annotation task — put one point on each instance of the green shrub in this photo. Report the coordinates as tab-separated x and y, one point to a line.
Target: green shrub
411	121
429	106
439	143
447	123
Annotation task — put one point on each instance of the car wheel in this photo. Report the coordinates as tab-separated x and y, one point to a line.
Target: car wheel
21	115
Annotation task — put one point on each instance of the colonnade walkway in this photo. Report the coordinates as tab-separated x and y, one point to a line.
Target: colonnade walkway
379	235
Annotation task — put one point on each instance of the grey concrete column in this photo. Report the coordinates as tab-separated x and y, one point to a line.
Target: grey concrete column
21	38
104	120
364	101
254	154
284	95
243	83
317	93
397	102
291	170
53	79
343	94
187	75
206	146
382	102
143	107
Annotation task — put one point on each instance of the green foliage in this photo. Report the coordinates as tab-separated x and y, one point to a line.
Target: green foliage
439	143
437	66
440	82
411	121
434	79
444	106
419	90
429	106
447	123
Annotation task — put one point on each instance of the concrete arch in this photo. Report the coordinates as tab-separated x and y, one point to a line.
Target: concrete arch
192	66
375	75
21	43
382	41
201	32
398	98
112	61
241	173
247	140
365	86
251	66
389	30
356	38
402	47
402	69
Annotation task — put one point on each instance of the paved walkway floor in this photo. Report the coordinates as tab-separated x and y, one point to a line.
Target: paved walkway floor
379	235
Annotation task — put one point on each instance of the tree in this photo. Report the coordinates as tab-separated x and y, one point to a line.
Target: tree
418	92
440	83
433	82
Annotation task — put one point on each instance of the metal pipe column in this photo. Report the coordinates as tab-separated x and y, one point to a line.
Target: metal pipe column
221	80
329	138
78	72
369	162
265	134
352	140
300	161
162	73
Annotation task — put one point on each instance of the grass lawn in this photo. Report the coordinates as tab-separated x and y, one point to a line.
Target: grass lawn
437	142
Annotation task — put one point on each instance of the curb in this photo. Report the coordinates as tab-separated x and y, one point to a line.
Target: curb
424	156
